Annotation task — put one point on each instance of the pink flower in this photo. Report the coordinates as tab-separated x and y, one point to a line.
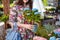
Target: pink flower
39	38
58	30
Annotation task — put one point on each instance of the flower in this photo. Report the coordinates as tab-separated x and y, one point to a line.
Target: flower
37	13
34	9
57	31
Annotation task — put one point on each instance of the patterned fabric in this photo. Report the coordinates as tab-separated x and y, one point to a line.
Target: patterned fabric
26	34
19	10
13	34
13	11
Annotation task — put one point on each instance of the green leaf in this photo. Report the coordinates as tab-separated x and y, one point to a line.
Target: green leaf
4	18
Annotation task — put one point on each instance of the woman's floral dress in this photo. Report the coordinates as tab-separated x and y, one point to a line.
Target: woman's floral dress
26	34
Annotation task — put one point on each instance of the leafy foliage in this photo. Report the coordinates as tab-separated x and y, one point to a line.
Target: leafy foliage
49	28
4	18
11	1
45	30
11	4
41	31
33	15
51	9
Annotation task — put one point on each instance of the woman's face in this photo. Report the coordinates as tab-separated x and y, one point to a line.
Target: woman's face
25	1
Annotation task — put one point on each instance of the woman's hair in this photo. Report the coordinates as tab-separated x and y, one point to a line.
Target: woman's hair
20	2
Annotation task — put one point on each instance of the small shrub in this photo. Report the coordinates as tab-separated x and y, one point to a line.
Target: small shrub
4	18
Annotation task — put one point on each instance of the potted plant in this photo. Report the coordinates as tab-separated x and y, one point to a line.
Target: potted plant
32	17
42	32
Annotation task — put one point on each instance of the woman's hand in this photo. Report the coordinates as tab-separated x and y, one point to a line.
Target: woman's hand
27	26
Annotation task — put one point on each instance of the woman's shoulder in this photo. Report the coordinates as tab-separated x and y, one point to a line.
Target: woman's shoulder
13	8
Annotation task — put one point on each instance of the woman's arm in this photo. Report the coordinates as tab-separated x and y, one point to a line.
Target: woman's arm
11	24
27	26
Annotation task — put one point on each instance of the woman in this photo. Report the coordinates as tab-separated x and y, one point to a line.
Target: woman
17	11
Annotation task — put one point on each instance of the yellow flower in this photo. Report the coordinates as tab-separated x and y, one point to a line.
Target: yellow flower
29	20
22	15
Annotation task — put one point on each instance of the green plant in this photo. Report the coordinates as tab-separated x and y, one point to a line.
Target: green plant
45	30
45	2
41	31
4	18
49	28
33	15
11	1
52	9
